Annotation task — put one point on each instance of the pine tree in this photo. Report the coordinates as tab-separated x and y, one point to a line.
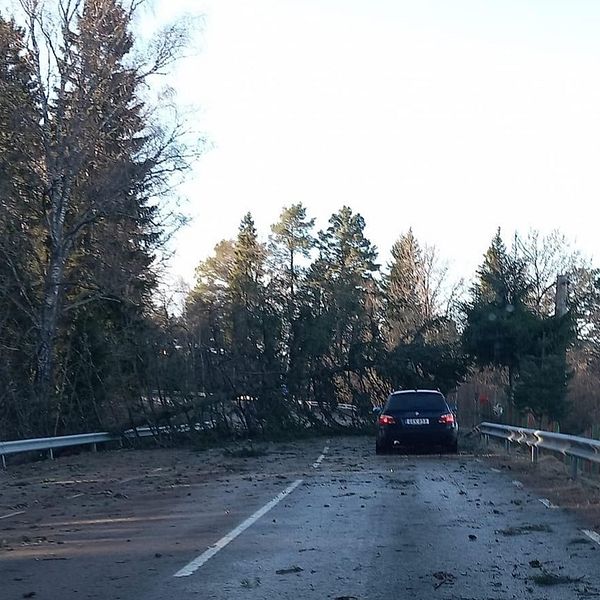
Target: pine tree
403	287
291	241
502	277
248	265
290	245
340	327
421	340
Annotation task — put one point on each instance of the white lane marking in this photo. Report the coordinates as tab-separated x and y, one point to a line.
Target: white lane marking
517	484
592	535
12	514
547	503
194	565
494	470
321	458
318	461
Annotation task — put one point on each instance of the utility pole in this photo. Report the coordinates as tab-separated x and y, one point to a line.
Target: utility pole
560	308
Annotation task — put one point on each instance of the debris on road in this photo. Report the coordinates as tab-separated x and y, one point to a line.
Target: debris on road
250	583
535	564
443	578
525	529
546	578
294	569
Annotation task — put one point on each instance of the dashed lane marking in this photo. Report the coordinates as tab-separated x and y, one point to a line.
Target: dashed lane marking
517	484
321	458
194	565
547	503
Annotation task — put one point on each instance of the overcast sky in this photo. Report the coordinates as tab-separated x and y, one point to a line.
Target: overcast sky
452	118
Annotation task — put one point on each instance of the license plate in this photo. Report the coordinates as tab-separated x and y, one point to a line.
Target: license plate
417	421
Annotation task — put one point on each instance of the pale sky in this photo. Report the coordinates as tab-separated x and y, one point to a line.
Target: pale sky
450	117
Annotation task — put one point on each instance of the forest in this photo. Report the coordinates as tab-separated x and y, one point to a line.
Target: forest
280	328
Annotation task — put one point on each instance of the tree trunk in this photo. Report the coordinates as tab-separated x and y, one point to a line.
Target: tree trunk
51	304
47	340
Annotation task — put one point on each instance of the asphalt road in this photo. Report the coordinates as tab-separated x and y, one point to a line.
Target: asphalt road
339	523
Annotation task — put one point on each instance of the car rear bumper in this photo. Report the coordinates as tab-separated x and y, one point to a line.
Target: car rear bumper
392	436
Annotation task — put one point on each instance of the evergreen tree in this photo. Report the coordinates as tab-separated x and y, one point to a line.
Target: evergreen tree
248	265
111	230
207	326
341	329
421	341
21	233
403	285
499	325
291	241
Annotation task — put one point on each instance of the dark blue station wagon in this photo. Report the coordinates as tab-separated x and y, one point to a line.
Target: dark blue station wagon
416	418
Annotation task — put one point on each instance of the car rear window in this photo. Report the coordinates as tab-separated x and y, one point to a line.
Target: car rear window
416	401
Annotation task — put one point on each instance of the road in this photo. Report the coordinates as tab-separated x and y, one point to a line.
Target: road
313	519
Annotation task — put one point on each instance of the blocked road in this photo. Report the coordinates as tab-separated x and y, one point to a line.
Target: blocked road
352	525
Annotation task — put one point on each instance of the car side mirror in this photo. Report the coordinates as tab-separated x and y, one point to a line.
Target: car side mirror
377	410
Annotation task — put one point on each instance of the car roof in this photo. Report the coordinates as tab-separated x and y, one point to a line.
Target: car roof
418	392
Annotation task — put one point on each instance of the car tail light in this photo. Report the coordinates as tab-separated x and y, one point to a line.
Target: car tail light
447	419
386	420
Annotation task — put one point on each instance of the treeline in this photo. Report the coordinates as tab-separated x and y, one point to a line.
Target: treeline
313	317
277	332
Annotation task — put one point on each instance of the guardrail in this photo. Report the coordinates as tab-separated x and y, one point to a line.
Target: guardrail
577	448
65	441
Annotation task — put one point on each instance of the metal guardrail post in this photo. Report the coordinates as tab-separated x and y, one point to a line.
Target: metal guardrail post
535	451
3	462
51	453
507	446
574	467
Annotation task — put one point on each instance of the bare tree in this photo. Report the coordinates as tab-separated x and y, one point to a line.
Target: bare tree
545	257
